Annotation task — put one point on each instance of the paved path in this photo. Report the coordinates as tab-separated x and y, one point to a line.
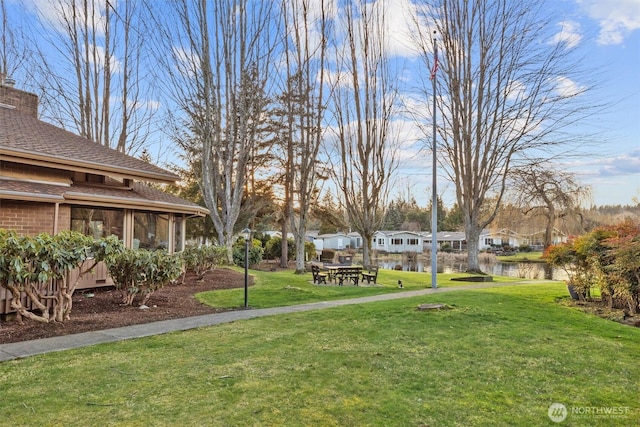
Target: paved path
30	348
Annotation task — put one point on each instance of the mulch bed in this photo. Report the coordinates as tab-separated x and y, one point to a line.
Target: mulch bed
103	309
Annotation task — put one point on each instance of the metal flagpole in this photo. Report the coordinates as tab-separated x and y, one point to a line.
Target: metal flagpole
434	193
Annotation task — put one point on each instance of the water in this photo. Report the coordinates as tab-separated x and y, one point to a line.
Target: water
524	270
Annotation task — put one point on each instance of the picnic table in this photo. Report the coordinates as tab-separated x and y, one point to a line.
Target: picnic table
341	274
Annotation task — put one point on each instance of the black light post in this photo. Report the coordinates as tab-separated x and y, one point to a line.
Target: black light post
247	235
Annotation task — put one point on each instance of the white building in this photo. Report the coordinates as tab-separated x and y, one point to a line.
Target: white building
397	241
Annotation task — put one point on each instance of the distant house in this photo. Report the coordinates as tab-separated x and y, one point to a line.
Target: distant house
53	180
456	240
397	241
355	240
408	241
277	234
502	237
536	239
336	241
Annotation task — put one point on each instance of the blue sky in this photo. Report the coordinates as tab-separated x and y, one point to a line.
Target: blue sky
612	32
608	33
609	30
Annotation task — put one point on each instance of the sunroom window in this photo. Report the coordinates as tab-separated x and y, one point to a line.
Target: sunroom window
97	222
150	231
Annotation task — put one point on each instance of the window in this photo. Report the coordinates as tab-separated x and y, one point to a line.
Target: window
396	241
381	241
488	242
150	231
412	242
97	222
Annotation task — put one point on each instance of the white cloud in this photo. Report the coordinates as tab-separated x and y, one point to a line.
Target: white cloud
604	167
569	34
56	12
566	88
399	17
617	18
623	164
515	90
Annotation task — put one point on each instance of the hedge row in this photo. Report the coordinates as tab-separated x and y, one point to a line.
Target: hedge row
608	258
37	267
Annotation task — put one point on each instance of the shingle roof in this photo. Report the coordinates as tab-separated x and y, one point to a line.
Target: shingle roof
26	137
140	196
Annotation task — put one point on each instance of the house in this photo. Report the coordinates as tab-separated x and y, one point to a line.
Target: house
408	241
397	241
536	239
277	234
502	237
355	240
337	241
53	180
456	240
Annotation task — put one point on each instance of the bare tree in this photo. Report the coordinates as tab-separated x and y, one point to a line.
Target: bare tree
552	194
363	105
93	73
217	65
505	91
14	46
305	45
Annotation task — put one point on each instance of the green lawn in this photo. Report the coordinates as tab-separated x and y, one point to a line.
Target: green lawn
499	357
281	288
522	257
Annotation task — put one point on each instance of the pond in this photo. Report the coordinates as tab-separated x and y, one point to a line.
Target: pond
524	270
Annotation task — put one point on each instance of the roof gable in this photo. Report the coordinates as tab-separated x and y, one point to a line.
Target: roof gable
26	139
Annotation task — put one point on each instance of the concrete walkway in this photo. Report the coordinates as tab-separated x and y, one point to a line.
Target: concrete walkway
30	348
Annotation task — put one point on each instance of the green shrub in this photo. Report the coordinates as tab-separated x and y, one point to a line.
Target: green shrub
142	272
255	252
202	259
37	267
607	258
309	251
273	248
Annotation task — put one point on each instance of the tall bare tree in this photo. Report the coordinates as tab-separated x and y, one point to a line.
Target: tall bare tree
14	46
93	72
552	194
217	66
363	105
505	89
305	46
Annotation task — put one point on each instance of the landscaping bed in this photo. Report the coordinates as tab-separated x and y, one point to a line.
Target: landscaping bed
102	309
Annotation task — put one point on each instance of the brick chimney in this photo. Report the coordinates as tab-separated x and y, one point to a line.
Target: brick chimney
11	97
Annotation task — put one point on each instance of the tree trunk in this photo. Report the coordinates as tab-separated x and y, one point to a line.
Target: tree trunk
548	232
284	255
473	241
366	250
300	253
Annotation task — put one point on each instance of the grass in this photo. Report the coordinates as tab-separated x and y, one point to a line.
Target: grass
282	288
499	357
522	257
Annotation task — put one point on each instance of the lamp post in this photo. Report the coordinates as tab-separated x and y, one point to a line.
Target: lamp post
247	235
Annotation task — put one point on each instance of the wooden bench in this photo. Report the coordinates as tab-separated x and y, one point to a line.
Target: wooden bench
318	276
348	274
371	275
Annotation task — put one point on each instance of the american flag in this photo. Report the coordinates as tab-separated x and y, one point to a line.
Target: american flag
435	64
